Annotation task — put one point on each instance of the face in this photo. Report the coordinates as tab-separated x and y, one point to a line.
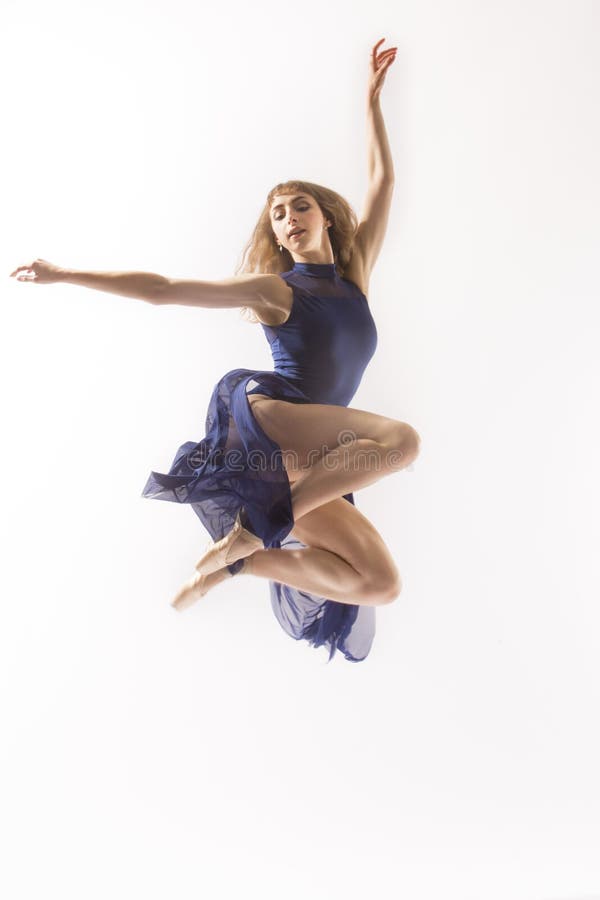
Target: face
290	212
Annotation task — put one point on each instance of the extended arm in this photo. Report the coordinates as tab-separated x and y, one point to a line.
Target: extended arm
261	292
254	290
374	218
139	285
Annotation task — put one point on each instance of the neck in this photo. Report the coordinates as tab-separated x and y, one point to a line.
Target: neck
314	265
318	259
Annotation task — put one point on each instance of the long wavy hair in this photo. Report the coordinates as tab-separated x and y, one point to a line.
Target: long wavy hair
262	255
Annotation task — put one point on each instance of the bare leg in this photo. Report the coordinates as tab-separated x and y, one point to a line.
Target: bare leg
310	569
329	450
316	571
379	447
348	467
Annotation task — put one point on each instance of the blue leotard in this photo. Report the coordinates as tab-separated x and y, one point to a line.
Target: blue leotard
329	337
319	356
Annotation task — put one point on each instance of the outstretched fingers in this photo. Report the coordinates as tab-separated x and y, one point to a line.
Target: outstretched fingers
383	59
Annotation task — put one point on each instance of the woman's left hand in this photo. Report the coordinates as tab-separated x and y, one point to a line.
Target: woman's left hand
380	63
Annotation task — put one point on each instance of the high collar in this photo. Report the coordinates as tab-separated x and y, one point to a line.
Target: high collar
317	270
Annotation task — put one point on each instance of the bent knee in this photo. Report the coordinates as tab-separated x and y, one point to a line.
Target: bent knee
403	439
384	589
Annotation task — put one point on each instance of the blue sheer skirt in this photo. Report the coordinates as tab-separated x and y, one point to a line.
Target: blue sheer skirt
237	465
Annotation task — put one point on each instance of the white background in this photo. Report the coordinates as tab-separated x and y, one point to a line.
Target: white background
153	754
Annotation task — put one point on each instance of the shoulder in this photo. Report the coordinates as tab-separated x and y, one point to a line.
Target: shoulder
273	302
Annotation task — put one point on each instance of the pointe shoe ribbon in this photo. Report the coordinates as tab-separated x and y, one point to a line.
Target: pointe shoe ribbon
237	544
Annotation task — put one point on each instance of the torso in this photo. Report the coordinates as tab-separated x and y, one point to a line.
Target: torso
277	307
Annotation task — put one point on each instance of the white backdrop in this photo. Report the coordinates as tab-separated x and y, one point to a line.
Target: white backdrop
154	754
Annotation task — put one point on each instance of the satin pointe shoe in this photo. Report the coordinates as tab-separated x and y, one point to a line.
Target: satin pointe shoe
197	586
237	544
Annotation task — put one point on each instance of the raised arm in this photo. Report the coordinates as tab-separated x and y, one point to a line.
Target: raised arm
258	291
373	221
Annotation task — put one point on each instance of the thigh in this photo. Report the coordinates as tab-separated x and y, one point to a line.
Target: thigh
338	526
307	431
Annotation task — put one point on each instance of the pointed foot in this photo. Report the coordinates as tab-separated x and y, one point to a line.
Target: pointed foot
237	544
198	586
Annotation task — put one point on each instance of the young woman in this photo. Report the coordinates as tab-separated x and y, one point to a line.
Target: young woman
272	479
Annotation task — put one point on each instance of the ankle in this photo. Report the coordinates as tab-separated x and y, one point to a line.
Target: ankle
247	565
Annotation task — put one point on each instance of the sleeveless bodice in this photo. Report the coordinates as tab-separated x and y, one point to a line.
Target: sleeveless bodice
320	354
329	337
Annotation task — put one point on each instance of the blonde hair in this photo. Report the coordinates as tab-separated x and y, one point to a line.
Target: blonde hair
262	254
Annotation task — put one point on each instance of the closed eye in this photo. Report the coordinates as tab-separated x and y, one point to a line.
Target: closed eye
299	208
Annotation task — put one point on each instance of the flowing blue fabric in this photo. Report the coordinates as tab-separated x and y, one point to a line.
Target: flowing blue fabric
319	354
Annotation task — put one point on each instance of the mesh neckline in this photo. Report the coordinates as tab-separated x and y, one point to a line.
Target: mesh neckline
317	270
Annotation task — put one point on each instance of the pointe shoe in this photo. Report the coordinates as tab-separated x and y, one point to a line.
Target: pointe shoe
237	544
197	586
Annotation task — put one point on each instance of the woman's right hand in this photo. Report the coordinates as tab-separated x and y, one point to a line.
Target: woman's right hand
40	271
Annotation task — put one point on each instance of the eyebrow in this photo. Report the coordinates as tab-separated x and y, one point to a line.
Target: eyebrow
298	197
